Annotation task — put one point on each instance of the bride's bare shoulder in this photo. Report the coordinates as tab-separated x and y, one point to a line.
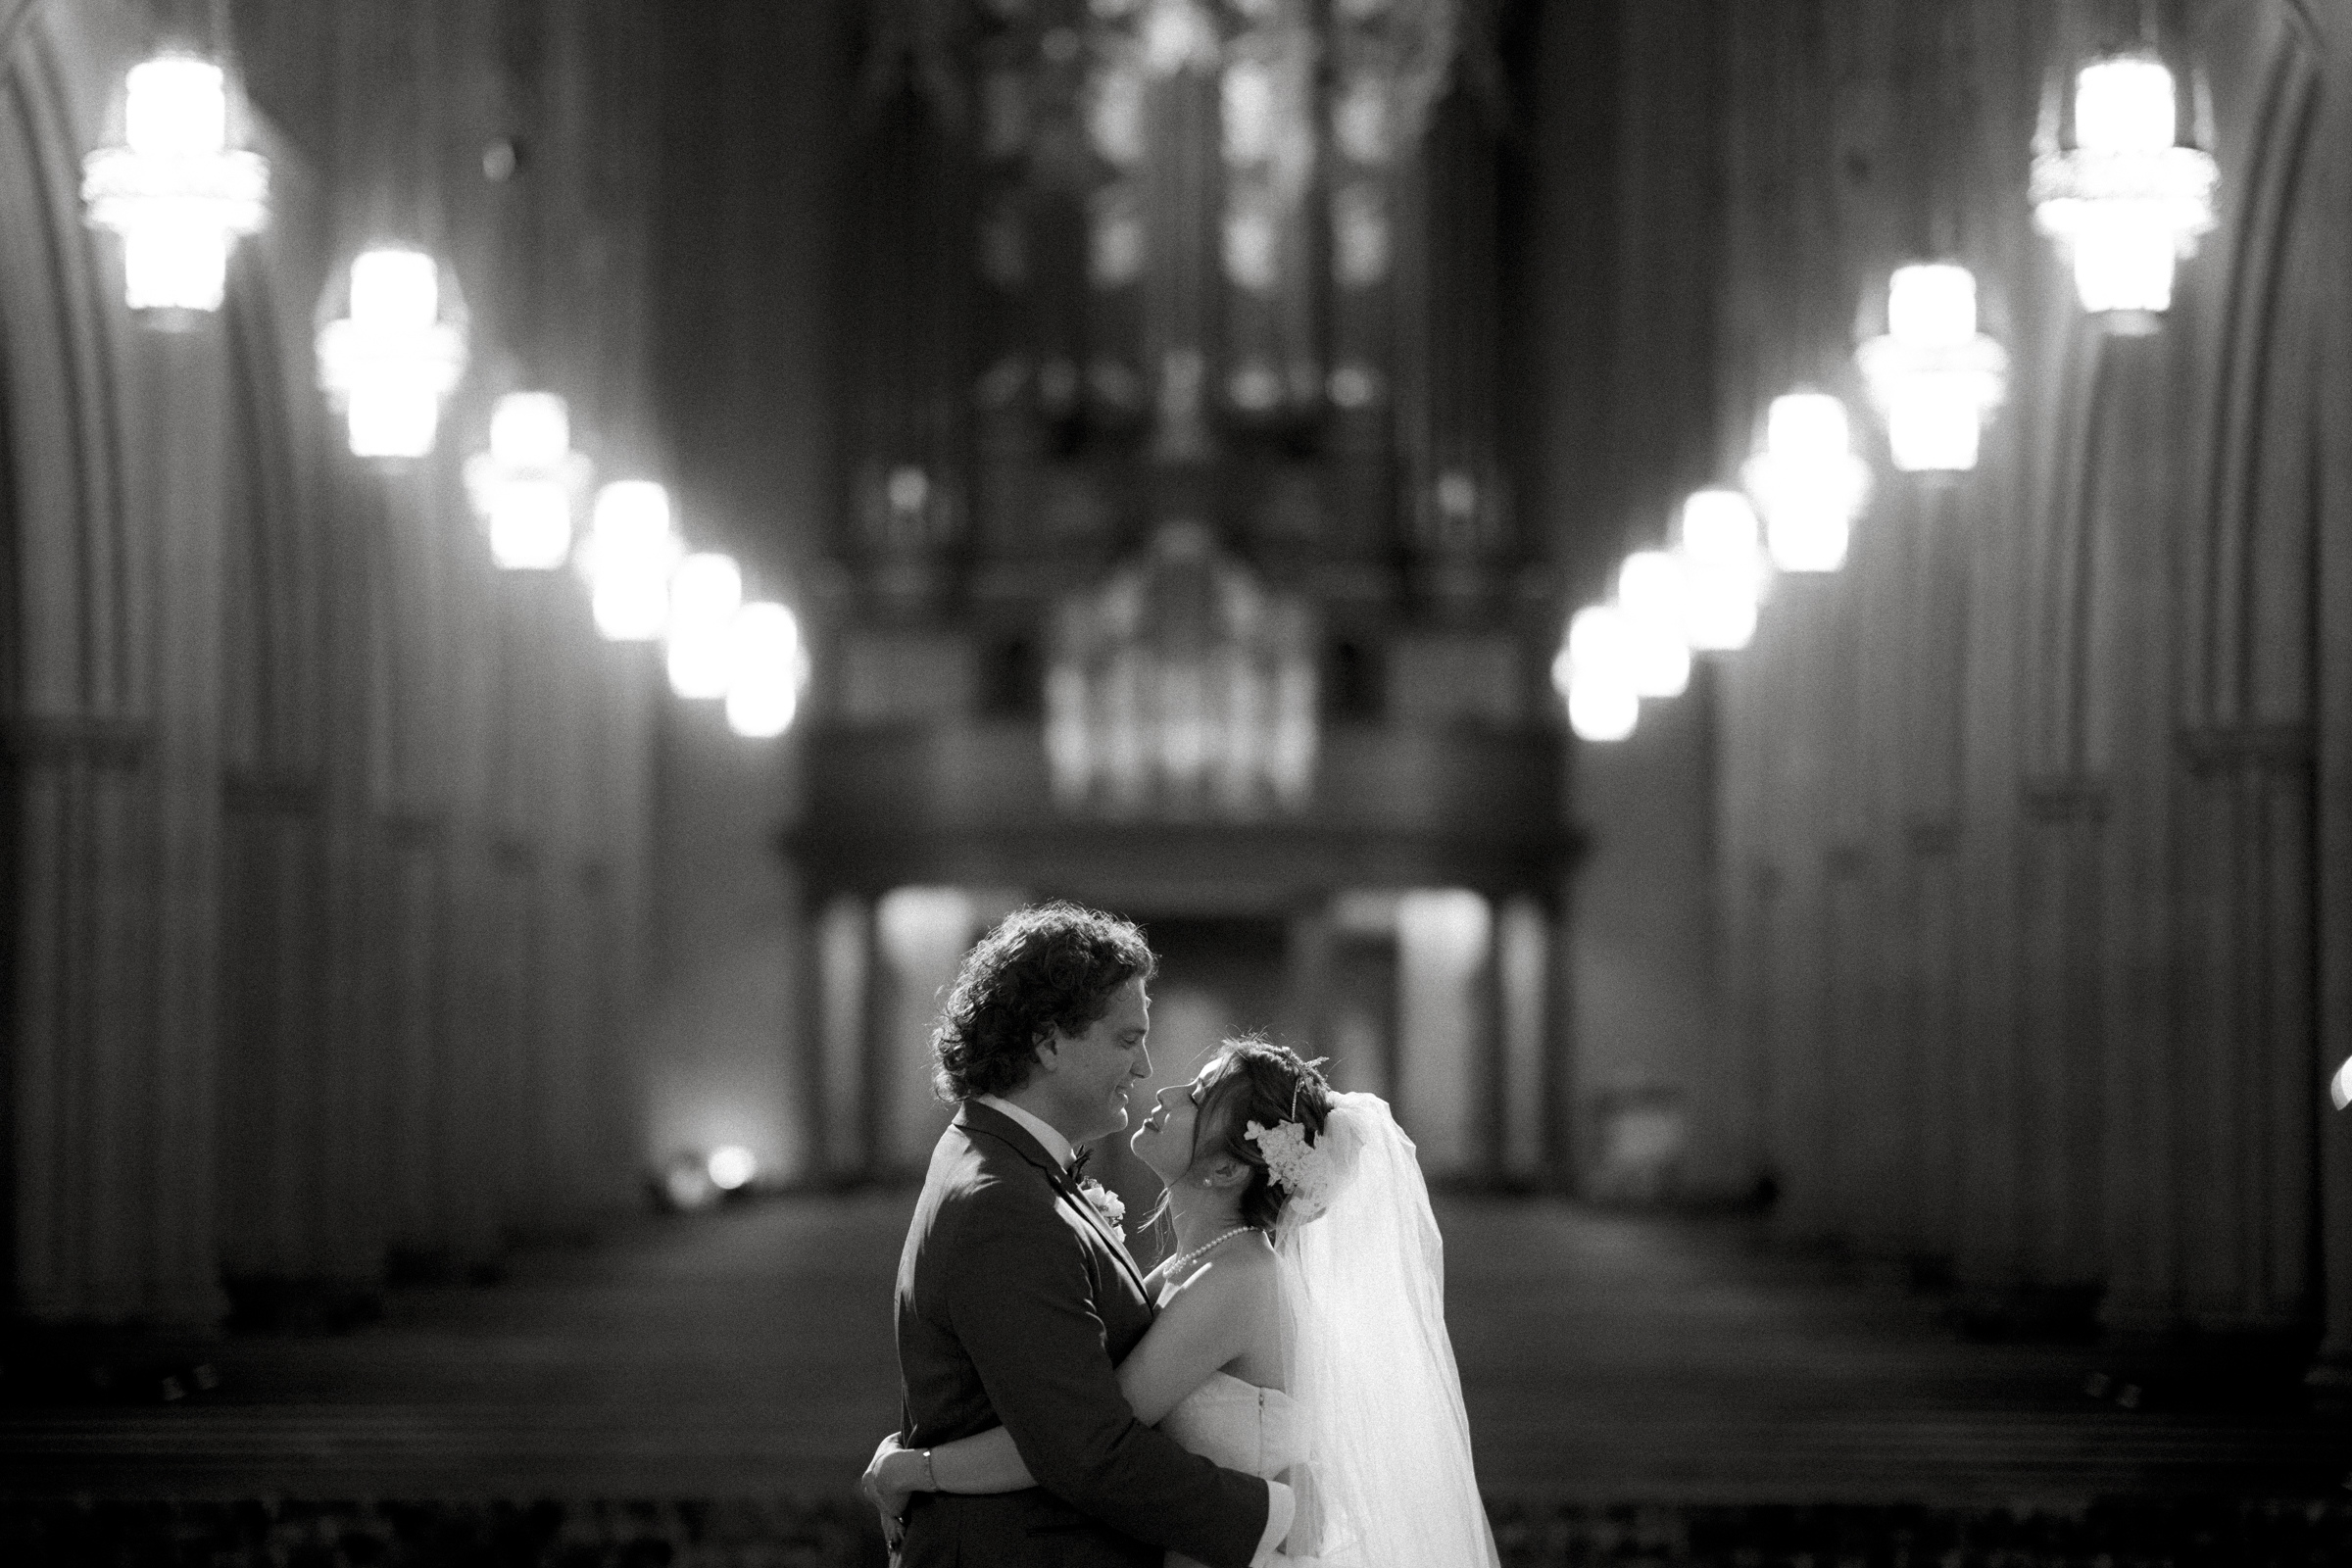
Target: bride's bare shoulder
1240	1279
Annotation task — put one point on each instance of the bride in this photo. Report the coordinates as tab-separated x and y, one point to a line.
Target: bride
1302	1332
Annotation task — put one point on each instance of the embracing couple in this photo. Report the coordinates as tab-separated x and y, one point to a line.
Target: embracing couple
1279	1390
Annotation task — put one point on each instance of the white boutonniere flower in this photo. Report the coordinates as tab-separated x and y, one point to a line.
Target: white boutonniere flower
1105	1204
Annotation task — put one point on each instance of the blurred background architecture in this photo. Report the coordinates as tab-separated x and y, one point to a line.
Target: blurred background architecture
1733	604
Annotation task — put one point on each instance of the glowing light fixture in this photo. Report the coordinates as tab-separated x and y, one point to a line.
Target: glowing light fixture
685	1184
1723	569
764	670
629	557
731	1167
704	592
1594	673
1933	375
2126	200
523	485
176	190
400	351
1807	482
1651	603
2340	1087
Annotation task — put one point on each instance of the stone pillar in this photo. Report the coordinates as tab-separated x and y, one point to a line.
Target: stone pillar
621	956
846	957
1563	1143
567	1063
1796	933
1523	968
1306	977
1927	933
2332	702
295	1240
921	934
1486	1018
1444	939
811	1018
1867	689
452	873
527	864
2126	822
115	741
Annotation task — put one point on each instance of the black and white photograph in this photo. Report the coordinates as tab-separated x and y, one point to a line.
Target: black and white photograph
1176	783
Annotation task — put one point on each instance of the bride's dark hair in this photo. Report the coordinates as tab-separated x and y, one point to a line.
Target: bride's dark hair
1259	1081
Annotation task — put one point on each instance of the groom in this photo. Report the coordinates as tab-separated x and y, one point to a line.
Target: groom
1017	1299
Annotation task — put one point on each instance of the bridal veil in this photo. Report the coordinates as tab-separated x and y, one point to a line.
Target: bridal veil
1388	1482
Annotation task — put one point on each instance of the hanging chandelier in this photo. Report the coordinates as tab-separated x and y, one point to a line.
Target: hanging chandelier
524	486
630	552
396	356
1807	482
704	594
1652	607
1723	569
1594	673
766	668
2122	193
1934	376
175	191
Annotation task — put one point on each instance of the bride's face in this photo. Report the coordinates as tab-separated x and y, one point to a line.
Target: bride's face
1164	1141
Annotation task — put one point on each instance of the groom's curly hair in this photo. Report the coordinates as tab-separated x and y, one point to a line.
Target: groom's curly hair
1052	966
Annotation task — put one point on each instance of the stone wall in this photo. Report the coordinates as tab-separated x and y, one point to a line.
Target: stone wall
326	839
2029	910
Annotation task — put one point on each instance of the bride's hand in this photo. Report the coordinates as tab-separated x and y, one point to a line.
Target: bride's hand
889	1504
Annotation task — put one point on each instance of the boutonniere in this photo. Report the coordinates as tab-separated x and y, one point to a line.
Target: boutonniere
1105	1204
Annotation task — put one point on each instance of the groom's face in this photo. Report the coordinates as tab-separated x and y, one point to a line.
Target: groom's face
1093	1074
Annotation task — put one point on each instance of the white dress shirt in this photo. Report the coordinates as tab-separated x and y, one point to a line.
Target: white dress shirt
1037	1127
1282	1505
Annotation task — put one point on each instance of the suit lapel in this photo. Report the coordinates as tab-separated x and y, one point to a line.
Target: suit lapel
976	1118
1093	1217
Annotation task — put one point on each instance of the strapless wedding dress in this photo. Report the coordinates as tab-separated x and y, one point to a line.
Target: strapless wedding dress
1238	1425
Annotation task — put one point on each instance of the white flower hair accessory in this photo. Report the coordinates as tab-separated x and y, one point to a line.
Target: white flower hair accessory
1302	1170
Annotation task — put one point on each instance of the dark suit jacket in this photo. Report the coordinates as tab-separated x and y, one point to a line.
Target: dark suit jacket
1014	1305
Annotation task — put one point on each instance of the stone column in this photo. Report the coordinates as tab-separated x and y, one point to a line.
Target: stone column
1489	1065
450	876
2333	217
1797	648
621	954
511	1126
1444	1027
1562	1144
808	1019
1306	977
1927	884
116	742
568	1060
1523	948
309	1140
845	954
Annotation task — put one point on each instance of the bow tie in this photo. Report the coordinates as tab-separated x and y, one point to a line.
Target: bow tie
1077	1166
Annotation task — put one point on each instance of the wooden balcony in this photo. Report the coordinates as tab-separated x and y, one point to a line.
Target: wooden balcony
971	805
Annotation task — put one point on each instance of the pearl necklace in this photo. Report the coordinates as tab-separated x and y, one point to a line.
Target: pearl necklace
1176	1264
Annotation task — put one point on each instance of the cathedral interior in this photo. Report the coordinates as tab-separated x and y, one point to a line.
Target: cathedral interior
1742	607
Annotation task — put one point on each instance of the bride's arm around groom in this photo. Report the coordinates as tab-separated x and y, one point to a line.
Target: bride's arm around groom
1015	1301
